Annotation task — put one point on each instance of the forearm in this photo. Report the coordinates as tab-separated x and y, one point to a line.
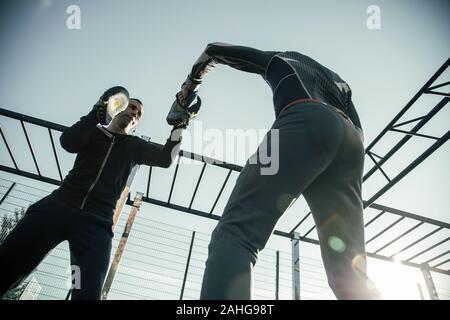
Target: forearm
238	57
171	149
160	156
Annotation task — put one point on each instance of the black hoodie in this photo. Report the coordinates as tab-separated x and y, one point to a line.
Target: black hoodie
103	163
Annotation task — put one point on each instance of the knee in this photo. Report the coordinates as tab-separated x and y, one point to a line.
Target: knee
226	247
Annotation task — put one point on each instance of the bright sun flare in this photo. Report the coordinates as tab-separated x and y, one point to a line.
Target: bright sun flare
396	281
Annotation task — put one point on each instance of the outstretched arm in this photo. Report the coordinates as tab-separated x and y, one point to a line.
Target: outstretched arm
159	156
238	57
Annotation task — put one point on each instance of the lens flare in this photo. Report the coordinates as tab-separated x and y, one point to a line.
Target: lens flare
336	244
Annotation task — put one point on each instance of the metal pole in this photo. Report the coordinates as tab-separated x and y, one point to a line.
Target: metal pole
295	266
121	247
196	186
420	291
55	153
8	148
429	281
174	178
406	138
220	192
7	193
409	168
425	87
119	206
31	147
123	197
187	266
277	279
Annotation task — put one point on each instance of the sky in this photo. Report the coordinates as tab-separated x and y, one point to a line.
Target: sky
54	73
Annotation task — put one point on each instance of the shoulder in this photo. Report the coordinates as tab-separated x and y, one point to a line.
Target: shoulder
136	140
141	143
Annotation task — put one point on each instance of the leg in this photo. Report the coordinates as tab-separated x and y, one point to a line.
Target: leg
90	248
39	231
336	204
258	201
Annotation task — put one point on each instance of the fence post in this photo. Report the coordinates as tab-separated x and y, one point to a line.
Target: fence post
295	266
121	247
277	279
7	193
187	266
424	267
419	287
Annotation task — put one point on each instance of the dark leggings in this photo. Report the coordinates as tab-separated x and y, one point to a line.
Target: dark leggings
321	156
47	223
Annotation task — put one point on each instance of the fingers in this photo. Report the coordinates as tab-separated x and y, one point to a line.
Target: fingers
184	89
181	97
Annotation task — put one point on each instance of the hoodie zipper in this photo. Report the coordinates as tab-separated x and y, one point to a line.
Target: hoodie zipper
99	173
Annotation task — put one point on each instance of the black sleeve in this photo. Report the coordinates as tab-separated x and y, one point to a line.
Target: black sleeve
239	57
76	137
151	154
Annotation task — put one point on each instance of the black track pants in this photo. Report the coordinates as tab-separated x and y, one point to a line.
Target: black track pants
47	223
321	155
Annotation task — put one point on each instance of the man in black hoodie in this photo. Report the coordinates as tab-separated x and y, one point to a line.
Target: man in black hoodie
81	209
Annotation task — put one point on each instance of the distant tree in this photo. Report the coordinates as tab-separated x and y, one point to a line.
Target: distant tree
8	223
16	293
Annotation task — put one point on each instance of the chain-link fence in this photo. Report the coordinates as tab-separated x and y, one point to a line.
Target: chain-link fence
160	261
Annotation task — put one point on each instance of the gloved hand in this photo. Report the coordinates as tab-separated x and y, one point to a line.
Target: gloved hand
106	109
184	108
